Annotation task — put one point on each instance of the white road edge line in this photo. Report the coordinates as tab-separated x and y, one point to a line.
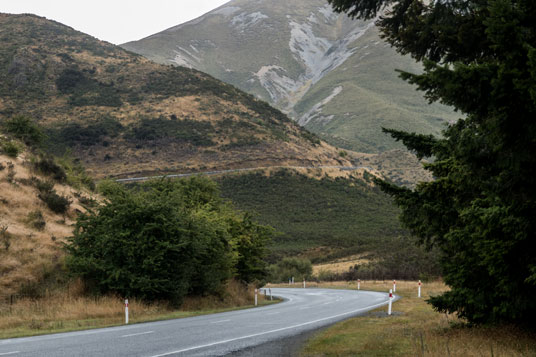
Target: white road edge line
138	334
9	353
217	322
271	331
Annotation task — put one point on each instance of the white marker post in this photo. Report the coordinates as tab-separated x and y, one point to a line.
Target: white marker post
419	293
292	280
394	286
126	311
271	298
304	283
255	297
389	309
358	284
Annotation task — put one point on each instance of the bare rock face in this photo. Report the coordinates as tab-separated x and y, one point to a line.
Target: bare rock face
328	72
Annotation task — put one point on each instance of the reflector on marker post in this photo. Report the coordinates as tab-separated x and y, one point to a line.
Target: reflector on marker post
126	311
389	309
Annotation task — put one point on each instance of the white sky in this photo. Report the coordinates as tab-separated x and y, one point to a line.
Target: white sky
115	21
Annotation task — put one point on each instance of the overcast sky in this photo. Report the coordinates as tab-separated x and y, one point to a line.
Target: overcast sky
115	21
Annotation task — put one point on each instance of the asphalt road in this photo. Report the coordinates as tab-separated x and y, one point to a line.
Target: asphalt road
209	335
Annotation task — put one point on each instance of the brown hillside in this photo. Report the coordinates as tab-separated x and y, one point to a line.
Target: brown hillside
31	234
121	113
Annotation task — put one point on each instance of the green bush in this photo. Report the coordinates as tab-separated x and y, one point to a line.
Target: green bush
25	129
57	203
11	148
48	166
290	267
36	220
163	240
191	131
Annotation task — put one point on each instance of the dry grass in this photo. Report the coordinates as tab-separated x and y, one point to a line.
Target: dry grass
70	310
415	329
27	253
340	265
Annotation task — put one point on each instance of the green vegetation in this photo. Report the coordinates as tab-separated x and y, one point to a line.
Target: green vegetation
150	130
164	240
347	215
415	329
57	203
74	134
11	148
289	268
46	165
399	258
24	129
36	220
479	57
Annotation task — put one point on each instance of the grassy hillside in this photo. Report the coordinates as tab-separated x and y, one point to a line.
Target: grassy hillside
295	55
37	213
123	114
371	97
318	216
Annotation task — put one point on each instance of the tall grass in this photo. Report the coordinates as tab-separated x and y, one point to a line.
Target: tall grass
415	329
71	309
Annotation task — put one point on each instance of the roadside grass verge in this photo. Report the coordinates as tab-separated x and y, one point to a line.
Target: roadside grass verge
70	310
414	329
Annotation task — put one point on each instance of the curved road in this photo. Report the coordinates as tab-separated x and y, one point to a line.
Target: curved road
208	335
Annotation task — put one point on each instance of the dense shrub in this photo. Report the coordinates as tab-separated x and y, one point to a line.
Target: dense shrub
46	165
163	240
93	133
11	148
25	129
85	90
289	268
57	203
191	131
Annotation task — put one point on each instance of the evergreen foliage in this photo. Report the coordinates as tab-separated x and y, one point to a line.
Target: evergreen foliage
165	239
479	56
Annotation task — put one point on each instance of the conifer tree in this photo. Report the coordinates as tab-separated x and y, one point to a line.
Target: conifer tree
479	56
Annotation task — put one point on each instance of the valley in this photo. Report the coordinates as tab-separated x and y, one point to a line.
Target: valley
92	113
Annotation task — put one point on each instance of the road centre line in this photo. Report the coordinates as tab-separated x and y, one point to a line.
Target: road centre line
273	313
9	353
138	334
217	322
270	331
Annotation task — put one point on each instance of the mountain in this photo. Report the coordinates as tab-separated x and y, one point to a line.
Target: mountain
122	114
331	74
